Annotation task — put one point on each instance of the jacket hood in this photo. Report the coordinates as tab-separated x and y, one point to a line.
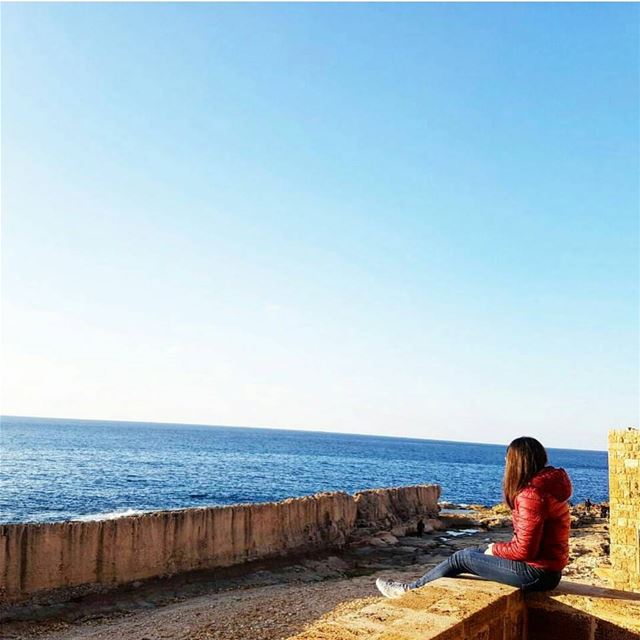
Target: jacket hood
553	482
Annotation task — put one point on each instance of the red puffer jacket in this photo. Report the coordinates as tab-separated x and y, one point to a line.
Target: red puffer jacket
541	522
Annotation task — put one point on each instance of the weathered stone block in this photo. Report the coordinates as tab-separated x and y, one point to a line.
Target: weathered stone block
624	498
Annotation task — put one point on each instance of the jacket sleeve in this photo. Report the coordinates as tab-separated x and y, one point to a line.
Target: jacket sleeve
527	530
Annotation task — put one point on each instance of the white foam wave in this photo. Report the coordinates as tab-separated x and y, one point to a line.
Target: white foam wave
111	515
463	532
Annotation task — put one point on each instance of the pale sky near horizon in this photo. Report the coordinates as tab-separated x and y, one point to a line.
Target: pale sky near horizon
413	220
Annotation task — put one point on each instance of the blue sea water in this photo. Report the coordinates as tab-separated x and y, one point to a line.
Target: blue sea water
52	470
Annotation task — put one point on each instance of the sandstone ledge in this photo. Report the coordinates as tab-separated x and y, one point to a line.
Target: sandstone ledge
447	609
473	609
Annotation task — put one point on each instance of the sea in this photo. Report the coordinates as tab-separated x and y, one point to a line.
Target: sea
55	470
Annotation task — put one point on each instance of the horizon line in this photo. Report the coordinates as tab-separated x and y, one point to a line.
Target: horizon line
295	429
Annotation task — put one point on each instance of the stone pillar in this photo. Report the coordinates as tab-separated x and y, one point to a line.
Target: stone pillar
624	501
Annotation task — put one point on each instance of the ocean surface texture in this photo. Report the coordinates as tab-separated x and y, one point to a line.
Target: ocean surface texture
54	470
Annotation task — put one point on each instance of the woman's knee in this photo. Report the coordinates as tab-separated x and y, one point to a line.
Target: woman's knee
460	558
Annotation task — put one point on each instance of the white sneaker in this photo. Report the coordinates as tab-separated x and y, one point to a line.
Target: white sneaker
391	588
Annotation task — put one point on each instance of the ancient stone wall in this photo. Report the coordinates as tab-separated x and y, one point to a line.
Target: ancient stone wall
447	609
37	557
624	500
474	609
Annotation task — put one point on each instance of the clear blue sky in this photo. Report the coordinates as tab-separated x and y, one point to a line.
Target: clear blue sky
413	220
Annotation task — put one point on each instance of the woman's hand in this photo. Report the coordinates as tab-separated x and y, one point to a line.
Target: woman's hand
489	550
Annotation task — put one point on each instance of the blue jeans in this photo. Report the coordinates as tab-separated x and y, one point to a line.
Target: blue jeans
473	560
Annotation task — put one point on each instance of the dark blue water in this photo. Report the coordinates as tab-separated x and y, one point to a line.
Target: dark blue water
64	469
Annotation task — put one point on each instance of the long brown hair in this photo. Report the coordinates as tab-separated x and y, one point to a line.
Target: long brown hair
525	457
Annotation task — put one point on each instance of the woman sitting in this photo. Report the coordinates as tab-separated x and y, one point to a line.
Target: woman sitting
534	559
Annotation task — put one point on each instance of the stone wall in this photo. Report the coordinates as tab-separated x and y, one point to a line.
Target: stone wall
474	609
41	557
447	609
624	500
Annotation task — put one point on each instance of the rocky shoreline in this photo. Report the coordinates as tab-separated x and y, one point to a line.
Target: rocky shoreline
271	600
